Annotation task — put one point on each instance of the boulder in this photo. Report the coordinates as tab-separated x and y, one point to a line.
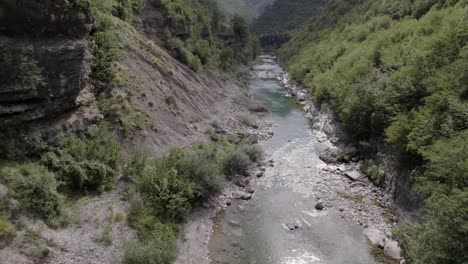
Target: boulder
240	195
376	237
301	96
392	249
329	155
319	206
353	175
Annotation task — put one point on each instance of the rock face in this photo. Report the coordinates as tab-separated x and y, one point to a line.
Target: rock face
45	18
44	78
45	62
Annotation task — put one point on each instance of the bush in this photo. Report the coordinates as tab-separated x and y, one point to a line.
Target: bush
6	232
36	188
167	194
199	165
255	152
157	239
152	252
236	162
86	162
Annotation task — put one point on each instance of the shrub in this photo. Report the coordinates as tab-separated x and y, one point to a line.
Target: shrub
86	162
236	162
157	240
165	192
36	188
255	152
152	252
201	167
6	232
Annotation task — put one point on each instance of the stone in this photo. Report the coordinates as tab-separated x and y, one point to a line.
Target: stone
242	195
376	237
392	249
260	174
249	190
319	206
353	175
233	139
234	223
329	155
301	96
240	182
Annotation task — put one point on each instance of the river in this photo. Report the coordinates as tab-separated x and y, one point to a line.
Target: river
259	230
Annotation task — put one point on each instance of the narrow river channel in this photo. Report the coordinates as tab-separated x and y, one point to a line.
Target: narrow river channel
258	231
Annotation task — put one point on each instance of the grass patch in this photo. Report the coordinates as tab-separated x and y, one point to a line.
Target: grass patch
106	235
356	199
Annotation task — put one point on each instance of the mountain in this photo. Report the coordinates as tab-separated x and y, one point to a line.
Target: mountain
285	15
248	9
396	73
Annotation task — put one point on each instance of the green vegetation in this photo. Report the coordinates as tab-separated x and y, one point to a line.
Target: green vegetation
36	189
237	7
6	231
396	71
86	162
166	190
199	35
285	15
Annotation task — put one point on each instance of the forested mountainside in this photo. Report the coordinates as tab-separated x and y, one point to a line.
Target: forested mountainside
89	91
248	9
285	15
396	73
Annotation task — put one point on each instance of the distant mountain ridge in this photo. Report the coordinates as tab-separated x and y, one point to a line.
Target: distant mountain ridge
285	15
248	9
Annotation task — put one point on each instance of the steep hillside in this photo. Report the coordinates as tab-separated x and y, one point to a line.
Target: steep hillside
92	93
248	9
285	15
396	74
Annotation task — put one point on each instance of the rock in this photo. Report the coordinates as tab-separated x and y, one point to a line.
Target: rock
233	138
271	133
263	169
234	223
249	190
242	195
353	175
220	131
228	202
376	237
319	206
301	96
329	155
246	196
257	108
260	174
240	182
251	139
392	249
341	209
171	101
